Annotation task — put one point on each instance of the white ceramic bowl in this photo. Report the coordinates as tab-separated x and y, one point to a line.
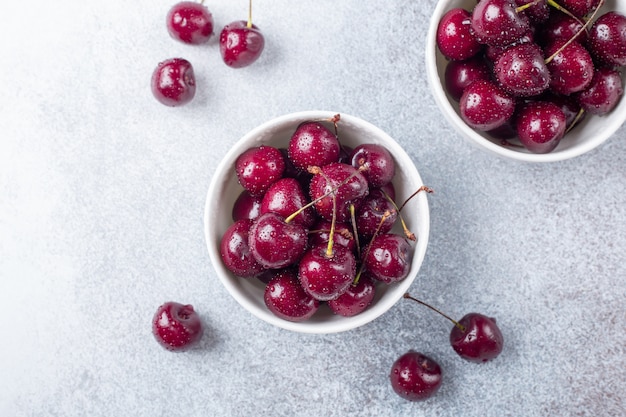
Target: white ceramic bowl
224	189
589	134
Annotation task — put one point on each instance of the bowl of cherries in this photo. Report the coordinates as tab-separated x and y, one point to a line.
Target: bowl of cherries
317	222
530	80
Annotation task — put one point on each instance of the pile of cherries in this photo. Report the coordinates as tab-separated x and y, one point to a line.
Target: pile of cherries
532	69
241	43
314	223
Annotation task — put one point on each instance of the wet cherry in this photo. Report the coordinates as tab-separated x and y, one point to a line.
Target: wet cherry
173	82
190	22
415	376
540	126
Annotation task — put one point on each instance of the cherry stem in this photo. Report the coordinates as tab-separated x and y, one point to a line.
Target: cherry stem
249	24
564	10
331	234
386	214
581	30
579	116
456	323
410	235
527	5
354	230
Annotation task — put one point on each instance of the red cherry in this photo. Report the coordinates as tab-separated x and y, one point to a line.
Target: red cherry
285	297
479	339
190	22
241	44
177	327
485	106
454	37
173	82
415	377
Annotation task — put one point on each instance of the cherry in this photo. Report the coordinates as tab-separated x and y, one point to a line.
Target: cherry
460	74
540	126
246	206
375	163
521	70
241	42
376	214
571	69
258	168
284	197
561	26
190	22
356	298
285	297
607	39
476	338
603	93
485	106
313	144
274	243
350	187
454	37
388	257
235	250
497	22
570	107
173	82
493	52
579	8
326	276
415	376
177	327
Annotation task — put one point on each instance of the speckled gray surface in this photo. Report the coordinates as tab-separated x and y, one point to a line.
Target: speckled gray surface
102	194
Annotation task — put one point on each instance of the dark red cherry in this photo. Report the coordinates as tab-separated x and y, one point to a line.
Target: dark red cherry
326	277
454	36
460	74
246	206
540	126
579	8
571	70
173	82
259	167
561	27
285	197
241	44
374	162
485	106
496	22
313	144
235	250
603	93
190	22
415	376
521	70
356	298
569	106
480	340
371	212
274	243
493	52
285	297
607	39
177	327
388	257
344	181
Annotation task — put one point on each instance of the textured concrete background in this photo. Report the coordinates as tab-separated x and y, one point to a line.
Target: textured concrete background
102	191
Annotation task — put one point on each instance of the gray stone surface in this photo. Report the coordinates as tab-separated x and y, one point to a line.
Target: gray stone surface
102	194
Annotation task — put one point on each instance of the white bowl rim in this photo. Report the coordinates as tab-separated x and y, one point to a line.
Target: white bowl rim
343	324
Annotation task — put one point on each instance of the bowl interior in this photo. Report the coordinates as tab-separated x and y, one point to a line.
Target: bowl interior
224	189
589	134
